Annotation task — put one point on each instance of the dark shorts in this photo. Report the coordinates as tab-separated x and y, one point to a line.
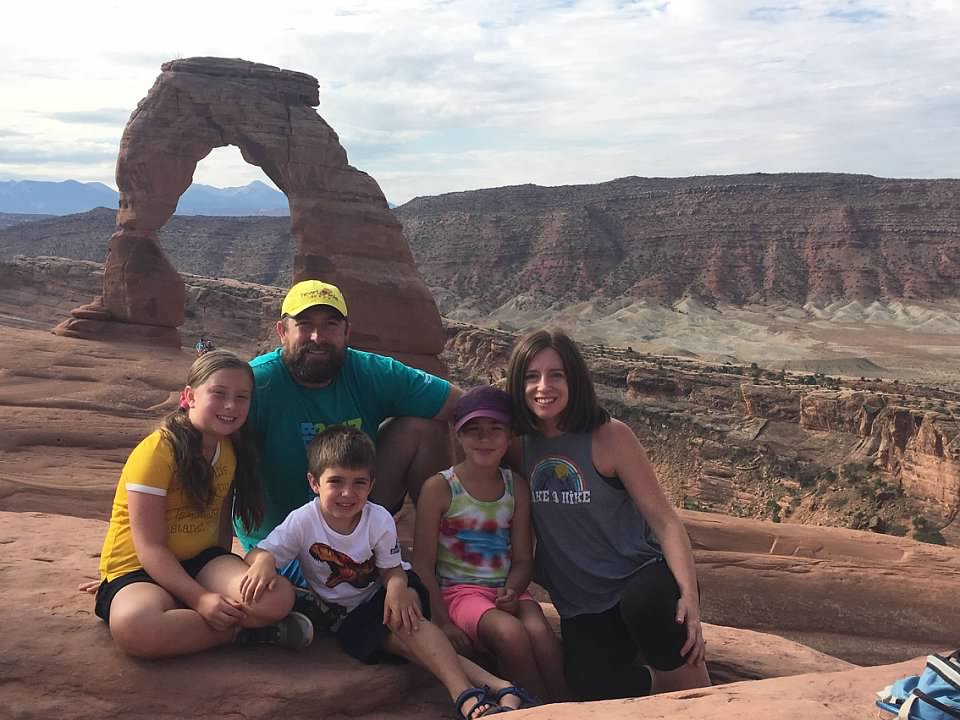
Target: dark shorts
108	590
604	654
362	633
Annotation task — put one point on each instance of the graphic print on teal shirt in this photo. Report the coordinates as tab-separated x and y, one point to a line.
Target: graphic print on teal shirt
286	415
558	480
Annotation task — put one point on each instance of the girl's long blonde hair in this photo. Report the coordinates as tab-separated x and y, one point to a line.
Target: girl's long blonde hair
193	470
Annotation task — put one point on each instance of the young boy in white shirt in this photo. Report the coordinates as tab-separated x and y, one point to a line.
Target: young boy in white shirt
350	556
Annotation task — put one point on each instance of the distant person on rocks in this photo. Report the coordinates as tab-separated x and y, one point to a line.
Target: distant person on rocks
314	380
611	550
204	346
168	582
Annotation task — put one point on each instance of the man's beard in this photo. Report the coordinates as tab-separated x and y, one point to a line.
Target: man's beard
314	369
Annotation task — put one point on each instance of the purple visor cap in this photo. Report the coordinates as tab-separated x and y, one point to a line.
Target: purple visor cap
484	401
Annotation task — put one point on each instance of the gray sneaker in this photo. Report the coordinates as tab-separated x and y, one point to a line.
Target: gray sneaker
322	616
295	632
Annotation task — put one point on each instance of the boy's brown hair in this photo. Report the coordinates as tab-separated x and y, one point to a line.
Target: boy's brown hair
340	446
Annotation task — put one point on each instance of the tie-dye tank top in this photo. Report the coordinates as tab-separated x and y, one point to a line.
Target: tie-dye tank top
474	543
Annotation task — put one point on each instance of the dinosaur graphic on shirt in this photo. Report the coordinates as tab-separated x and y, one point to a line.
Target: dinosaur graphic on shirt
343	568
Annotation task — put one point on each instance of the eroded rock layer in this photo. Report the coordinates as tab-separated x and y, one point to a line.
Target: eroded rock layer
736	238
343	229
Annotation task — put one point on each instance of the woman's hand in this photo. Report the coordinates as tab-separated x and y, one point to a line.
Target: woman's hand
220	613
694	649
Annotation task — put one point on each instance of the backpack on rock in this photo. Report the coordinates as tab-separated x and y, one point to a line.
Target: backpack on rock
934	695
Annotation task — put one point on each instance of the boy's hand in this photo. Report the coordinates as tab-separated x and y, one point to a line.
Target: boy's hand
401	609
260	577
506	600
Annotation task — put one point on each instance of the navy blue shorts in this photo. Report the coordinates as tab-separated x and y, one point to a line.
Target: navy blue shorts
362	633
107	590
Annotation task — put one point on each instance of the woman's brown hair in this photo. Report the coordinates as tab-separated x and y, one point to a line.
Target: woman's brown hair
583	413
193	470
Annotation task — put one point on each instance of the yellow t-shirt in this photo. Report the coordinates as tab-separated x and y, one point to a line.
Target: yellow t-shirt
151	469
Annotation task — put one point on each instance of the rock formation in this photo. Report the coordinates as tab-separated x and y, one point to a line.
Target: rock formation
737	239
343	229
57	658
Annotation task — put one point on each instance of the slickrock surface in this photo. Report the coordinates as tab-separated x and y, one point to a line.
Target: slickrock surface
339	218
70	413
845	695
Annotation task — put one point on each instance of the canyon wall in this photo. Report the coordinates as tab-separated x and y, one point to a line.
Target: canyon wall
737	238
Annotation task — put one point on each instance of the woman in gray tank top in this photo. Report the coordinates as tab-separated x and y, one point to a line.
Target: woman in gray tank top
611	550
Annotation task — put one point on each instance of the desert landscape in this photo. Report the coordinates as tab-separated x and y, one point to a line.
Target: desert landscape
784	346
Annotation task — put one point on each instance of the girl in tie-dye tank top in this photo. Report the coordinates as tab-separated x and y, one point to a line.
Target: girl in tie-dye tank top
473	551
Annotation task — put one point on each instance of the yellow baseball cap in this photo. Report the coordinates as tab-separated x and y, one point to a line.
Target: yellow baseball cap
308	293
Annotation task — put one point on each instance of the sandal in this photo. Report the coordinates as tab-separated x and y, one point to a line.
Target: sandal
482	696
526	699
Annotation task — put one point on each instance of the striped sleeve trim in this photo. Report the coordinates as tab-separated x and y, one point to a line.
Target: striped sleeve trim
137	487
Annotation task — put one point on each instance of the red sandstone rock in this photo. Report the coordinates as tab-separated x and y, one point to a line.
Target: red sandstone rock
343	229
58	659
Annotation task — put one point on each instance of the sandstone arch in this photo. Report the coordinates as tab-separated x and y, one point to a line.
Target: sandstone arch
343	228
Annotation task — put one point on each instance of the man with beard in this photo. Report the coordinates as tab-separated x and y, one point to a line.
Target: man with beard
313	381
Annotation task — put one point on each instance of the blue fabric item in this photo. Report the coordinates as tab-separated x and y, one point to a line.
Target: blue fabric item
933	695
286	416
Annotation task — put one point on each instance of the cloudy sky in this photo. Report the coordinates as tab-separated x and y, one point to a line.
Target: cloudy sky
442	95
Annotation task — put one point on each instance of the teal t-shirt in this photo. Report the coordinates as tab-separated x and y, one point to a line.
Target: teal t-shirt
286	416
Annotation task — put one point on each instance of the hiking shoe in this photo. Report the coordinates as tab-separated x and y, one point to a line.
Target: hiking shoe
308	603
295	632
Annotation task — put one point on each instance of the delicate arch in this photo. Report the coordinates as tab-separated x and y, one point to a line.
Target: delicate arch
343	228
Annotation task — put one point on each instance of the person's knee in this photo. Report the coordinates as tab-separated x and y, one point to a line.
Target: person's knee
539	630
504	635
134	632
273	605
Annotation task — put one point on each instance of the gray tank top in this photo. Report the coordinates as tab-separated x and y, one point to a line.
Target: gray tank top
591	538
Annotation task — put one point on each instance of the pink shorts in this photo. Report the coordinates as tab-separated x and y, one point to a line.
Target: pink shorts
466	604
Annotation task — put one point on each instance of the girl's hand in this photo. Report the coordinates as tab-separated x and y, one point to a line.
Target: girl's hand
695	647
458	638
220	613
506	600
89	586
260	577
401	610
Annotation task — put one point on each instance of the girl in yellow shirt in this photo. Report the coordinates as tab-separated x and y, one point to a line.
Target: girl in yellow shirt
169	584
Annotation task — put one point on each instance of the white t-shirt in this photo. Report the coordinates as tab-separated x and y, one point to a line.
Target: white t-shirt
341	569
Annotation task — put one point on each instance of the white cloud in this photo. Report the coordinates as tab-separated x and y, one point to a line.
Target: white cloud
432	97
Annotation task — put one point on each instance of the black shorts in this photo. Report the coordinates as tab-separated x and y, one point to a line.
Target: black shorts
362	633
108	590
604	654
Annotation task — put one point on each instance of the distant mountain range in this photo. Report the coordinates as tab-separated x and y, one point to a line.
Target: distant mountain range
70	196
